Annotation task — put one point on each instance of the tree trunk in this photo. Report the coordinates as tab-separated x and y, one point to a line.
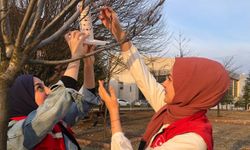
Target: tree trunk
3	114
218	110
6	79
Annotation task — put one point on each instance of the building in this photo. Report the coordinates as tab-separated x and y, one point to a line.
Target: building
237	83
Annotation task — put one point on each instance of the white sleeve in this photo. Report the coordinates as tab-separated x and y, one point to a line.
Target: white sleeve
188	141
152	90
120	142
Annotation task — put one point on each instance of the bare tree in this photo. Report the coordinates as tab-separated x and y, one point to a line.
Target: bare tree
29	35
181	44
231	67
40	22
142	21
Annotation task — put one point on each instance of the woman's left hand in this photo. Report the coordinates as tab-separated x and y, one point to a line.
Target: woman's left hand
110	100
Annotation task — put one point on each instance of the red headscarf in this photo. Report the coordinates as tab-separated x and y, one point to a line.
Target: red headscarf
199	84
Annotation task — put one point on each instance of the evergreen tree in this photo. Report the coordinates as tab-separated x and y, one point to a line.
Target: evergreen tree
246	95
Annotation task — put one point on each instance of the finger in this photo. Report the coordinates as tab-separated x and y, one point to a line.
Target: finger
103	8
101	88
101	17
100	93
112	92
104	92
67	36
100	83
107	13
91	48
82	36
74	33
109	9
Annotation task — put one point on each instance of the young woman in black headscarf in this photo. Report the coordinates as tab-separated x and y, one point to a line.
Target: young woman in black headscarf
40	117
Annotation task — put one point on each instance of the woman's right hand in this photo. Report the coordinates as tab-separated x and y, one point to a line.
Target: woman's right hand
110	20
110	100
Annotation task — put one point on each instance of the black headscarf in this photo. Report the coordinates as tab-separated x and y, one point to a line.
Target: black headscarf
21	96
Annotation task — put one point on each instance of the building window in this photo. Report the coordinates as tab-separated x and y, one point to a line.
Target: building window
120	85
161	78
235	88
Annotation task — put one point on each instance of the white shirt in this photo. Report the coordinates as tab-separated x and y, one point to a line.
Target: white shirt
154	92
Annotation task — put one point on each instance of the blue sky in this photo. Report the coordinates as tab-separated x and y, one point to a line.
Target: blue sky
216	28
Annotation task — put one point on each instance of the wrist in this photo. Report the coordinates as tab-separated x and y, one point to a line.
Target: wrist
88	64
115	120
74	63
114	111
121	37
75	55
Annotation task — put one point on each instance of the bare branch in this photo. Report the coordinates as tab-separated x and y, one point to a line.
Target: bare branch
229	64
48	62
40	5
37	40
137	28
5	14
5	28
60	16
182	45
59	32
24	24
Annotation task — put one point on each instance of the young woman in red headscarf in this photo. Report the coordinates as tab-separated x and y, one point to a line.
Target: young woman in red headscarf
192	86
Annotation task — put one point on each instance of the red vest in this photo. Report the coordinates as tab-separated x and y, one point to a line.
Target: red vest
197	123
52	141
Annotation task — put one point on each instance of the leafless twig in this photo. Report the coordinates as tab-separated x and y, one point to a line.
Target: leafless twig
24	23
40	5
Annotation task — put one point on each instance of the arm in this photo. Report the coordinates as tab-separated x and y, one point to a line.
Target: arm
152	90
87	90
41	121
75	41
119	141
88	74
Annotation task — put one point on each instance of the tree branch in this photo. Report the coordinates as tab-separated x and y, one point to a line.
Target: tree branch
30	34
24	24
48	62
66	25
5	28
37	40
60	16
59	32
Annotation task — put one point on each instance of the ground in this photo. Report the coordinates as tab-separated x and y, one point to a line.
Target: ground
231	131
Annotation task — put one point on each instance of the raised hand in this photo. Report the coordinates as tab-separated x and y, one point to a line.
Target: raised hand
75	40
109	99
111	22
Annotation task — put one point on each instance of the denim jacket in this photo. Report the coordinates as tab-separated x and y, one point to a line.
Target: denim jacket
62	104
